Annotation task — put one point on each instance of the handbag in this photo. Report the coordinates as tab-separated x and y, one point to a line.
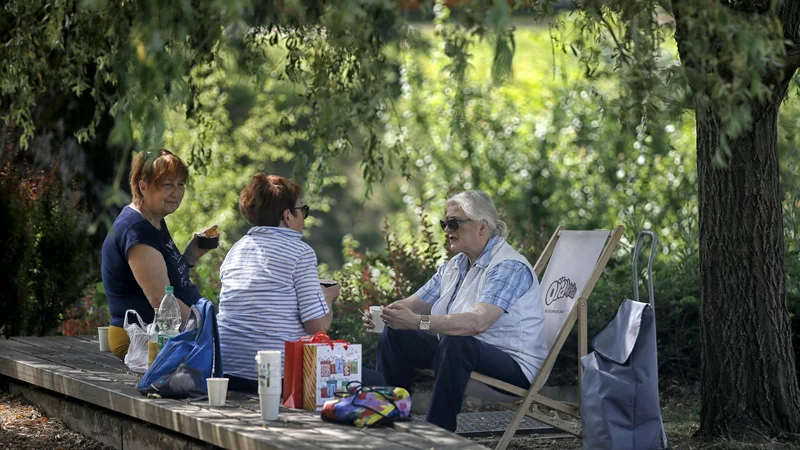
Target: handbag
364	406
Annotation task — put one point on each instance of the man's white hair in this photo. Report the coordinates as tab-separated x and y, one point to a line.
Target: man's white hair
478	206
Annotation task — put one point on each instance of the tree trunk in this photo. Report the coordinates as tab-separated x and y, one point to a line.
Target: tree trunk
749	383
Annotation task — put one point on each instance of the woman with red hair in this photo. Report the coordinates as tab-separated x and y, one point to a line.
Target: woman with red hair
139	256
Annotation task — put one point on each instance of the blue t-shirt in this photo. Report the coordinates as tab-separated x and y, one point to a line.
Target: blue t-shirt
123	292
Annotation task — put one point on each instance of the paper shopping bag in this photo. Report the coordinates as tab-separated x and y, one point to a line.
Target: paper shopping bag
324	371
293	369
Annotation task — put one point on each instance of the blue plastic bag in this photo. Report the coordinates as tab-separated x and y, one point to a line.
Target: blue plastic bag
181	368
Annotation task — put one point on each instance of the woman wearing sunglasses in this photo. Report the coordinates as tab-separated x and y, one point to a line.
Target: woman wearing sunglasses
270	288
139	256
480	312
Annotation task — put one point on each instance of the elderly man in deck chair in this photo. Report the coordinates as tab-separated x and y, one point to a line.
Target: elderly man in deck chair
481	312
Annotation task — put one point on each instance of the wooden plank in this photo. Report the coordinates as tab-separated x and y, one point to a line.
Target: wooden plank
572	426
605	255
202	411
537	398
74	360
400	435
494	382
547	252
583	339
421	441
442	437
71	370
65	345
347	437
252	403
86	343
200	423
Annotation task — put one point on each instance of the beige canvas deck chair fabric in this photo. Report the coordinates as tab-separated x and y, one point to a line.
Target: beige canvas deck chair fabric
575	260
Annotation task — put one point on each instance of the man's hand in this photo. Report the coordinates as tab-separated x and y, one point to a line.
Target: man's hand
400	317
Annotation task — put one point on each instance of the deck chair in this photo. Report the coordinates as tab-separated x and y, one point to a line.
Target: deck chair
575	260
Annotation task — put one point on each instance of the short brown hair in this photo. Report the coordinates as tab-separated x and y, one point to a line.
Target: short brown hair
153	166
266	197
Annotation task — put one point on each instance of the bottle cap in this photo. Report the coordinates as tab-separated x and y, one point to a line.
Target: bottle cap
168	290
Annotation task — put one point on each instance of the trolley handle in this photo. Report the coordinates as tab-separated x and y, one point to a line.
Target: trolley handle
637	250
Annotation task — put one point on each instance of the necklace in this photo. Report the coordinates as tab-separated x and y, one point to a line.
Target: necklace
140	210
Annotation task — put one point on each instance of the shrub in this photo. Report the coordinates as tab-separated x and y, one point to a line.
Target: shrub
16	249
206	276
87	314
379	278
44	250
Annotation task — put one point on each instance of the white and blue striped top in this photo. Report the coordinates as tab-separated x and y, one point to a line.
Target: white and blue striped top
270	287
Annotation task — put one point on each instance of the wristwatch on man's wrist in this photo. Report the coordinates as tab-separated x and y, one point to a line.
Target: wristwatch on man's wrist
425	323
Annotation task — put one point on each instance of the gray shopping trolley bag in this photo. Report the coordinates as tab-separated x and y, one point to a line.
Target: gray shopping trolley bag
620	409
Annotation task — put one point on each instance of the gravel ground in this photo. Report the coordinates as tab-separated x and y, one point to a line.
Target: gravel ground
24	427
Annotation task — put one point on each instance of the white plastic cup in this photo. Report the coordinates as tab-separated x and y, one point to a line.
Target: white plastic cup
270	402
217	391
268	365
375	315
102	336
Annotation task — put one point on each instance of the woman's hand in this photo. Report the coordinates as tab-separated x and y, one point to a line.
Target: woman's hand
399	317
193	252
366	320
331	293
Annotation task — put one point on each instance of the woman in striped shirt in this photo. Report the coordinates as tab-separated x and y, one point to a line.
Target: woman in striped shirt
270	288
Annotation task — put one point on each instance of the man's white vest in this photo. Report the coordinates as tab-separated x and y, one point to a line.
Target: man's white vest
519	331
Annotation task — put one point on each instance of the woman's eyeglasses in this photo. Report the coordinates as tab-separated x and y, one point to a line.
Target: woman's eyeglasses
153	155
305	209
452	224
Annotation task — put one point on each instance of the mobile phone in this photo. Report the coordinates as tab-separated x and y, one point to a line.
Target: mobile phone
328	282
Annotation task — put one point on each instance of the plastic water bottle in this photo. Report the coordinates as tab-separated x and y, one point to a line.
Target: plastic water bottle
152	339
168	317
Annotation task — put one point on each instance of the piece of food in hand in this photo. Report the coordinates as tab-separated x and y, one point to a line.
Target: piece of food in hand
209	238
328	282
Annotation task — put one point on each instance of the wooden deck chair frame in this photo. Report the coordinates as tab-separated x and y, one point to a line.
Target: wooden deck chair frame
531	398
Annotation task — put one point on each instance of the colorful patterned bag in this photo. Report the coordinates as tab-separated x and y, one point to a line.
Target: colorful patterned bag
364	406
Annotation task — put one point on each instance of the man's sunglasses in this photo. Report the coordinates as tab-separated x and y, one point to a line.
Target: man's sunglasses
305	209
453	224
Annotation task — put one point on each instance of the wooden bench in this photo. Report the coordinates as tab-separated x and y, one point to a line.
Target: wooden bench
74	367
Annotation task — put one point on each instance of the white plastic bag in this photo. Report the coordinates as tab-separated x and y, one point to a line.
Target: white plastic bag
136	359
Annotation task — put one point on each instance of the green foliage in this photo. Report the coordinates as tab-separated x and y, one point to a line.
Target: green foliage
90	312
379	278
242	87
548	145
250	138
133	66
45	251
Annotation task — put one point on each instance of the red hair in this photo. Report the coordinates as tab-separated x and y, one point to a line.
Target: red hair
152	166
266	197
